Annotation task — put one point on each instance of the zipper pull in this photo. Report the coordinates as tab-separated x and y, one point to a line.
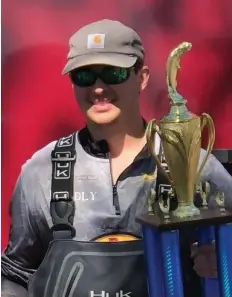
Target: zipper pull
116	201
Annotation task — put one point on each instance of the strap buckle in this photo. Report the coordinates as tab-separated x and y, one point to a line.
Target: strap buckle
63	215
64	228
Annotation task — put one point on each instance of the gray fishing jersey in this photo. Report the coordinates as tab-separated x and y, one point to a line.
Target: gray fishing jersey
94	193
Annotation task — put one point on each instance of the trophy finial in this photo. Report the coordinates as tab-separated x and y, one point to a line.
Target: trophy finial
178	110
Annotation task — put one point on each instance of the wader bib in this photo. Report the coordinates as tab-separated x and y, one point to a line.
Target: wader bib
74	268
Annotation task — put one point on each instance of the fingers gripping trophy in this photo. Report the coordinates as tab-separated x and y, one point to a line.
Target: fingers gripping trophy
180	133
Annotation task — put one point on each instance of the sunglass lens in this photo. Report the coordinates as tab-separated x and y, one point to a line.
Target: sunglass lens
83	77
114	75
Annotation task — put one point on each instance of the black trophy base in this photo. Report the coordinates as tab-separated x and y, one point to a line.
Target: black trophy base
207	217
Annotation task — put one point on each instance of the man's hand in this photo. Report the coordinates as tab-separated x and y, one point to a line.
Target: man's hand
205	263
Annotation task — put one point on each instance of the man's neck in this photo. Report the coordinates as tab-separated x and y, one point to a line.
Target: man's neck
121	136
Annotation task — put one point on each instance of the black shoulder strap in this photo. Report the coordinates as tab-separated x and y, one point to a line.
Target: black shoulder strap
62	205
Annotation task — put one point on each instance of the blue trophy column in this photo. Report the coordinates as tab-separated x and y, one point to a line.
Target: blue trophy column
223	235
210	286
171	262
153	257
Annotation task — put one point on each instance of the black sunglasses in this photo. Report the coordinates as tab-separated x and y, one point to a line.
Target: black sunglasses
110	75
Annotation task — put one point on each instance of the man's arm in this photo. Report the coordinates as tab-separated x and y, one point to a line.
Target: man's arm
204	257
24	251
219	178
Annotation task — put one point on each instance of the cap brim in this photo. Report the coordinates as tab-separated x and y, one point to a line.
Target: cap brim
113	59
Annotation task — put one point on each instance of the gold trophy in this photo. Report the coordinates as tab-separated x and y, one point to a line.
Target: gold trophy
181	134
172	206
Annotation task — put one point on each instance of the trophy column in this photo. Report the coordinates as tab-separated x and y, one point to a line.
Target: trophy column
152	247
223	235
171	261
163	262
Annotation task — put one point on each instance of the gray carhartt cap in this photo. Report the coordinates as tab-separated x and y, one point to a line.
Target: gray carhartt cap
104	42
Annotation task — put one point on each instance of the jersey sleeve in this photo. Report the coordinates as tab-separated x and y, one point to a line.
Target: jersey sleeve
24	251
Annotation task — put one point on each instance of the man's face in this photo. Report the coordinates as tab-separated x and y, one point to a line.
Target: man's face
100	99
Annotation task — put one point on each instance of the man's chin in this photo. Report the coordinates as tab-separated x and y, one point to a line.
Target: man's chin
103	118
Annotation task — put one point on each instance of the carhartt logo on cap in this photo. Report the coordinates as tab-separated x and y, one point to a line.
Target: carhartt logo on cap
96	41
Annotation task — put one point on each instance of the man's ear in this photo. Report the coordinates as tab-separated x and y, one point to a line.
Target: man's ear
144	74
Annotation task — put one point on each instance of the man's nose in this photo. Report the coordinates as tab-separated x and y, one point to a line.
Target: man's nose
98	91
99	88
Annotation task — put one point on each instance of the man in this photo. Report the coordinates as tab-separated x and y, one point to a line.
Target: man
107	73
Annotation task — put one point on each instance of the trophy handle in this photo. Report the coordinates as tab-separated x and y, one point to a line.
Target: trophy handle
207	121
153	128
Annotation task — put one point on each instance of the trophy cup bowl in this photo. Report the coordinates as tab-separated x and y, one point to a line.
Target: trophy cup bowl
181	144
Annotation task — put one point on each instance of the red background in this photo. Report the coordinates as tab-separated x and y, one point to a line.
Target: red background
37	102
